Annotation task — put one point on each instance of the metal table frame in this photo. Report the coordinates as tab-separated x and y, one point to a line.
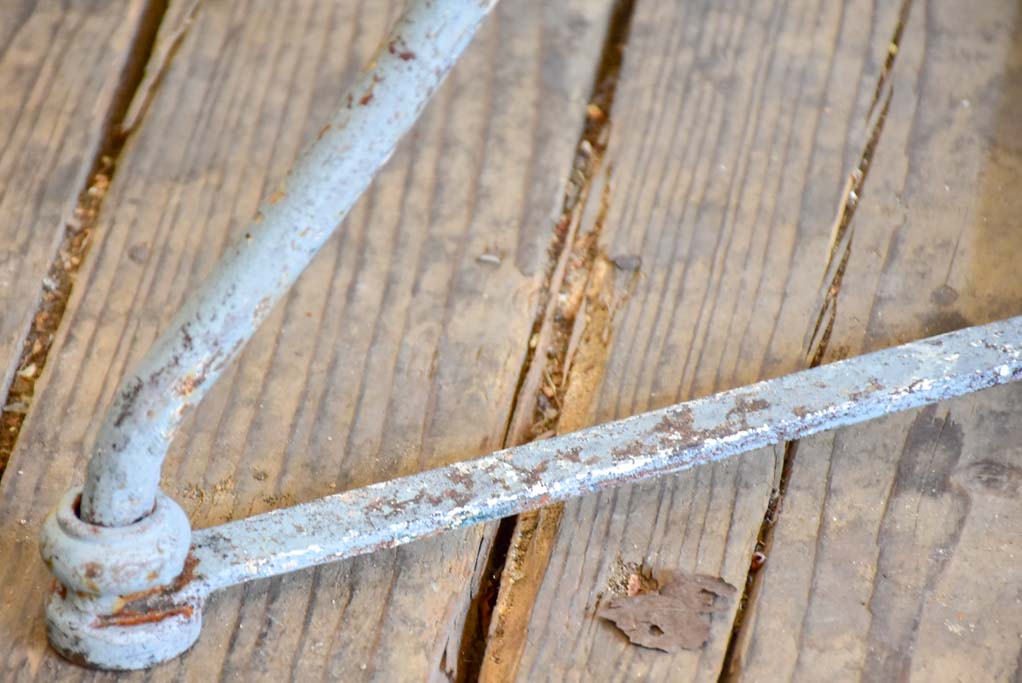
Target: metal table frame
132	577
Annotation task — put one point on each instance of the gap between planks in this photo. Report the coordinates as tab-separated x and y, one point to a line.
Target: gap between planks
817	344
59	280
533	533
818	334
568	340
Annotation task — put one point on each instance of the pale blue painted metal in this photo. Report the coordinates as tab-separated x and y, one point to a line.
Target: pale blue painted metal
660	442
148	553
290	227
100	569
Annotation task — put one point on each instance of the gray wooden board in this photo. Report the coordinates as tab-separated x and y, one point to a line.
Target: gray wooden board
398	350
896	555
60	68
736	126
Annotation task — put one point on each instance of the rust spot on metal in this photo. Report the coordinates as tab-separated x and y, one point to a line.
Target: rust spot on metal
873	387
678	423
76	507
186	338
132	618
396	507
188	384
456	497
531	475
543	500
741	410
155	599
277	196
368	96
460	478
398	48
749	406
538	471
154	378
323	131
672	427
632	450
128	398
92	570
572	454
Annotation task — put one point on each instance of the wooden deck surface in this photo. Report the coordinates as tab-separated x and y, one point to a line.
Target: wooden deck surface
66	71
692	229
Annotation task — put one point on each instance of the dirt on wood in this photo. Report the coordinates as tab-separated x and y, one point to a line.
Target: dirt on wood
56	291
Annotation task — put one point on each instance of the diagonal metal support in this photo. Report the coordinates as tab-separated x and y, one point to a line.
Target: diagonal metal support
648	445
289	228
641	447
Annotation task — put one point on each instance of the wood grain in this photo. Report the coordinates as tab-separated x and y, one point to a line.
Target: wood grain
896	553
398	350
736	126
63	68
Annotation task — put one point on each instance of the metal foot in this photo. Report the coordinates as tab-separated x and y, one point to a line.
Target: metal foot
108	606
121	642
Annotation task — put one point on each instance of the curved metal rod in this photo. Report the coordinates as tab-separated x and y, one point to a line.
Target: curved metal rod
288	230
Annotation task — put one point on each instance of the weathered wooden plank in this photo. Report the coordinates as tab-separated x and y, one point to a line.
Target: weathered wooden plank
735	127
64	69
895	556
398	350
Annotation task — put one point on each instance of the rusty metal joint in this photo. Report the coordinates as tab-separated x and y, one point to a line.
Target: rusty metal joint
99	569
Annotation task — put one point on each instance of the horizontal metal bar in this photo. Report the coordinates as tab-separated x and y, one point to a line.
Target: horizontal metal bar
664	441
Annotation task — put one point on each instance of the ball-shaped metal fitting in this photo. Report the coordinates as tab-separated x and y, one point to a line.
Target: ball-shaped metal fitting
95	561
